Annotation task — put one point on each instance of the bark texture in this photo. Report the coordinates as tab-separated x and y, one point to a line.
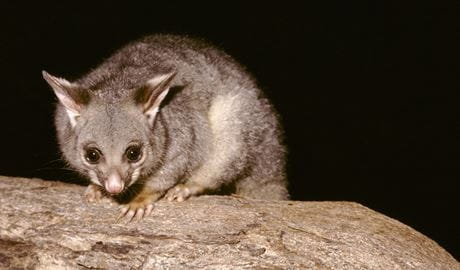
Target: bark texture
48	225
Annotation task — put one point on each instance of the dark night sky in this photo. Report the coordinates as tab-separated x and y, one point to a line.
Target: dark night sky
367	93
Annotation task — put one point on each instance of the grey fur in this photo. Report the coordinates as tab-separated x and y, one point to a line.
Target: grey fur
215	128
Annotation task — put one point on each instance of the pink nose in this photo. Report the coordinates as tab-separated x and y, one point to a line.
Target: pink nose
114	184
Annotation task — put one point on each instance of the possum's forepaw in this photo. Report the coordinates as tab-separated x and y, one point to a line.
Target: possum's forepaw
182	192
135	211
141	206
93	193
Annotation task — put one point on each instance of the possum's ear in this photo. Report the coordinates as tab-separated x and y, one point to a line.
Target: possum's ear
152	93
73	97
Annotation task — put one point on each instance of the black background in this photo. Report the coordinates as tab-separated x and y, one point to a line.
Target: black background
367	92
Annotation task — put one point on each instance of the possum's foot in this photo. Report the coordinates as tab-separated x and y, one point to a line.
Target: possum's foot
94	194
182	192
141	206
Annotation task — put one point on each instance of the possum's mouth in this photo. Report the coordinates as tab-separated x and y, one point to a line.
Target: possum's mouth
113	184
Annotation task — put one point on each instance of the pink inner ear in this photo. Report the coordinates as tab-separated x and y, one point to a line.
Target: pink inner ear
65	92
68	103
152	107
157	101
154	92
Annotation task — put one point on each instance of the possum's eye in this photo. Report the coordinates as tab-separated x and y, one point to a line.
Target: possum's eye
133	153
92	155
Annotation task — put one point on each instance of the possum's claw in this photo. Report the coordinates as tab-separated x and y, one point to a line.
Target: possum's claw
182	192
178	193
148	210
131	213
140	207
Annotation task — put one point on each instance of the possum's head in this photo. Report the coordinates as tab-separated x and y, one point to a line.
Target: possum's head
110	142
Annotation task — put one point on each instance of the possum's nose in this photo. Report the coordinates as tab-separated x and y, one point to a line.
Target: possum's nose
114	184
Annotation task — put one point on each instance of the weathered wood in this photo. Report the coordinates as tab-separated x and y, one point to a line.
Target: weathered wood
47	225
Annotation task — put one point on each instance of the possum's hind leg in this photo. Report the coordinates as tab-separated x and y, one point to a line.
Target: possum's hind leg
227	158
267	178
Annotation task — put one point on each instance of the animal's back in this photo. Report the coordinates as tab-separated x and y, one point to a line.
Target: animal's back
198	64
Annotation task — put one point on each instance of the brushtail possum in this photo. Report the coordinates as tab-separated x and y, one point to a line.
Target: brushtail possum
169	116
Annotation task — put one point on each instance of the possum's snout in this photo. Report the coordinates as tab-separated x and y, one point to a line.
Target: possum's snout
114	184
